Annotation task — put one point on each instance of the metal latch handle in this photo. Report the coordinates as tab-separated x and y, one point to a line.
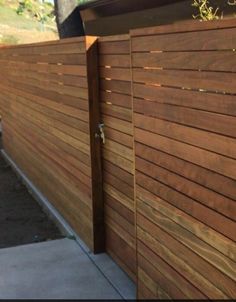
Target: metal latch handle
101	133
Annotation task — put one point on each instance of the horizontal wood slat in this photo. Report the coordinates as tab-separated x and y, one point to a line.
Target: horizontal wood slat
77	70
69	59
52	48
207	60
184	26
187	79
187	41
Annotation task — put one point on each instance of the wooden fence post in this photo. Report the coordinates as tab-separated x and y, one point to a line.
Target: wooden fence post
95	143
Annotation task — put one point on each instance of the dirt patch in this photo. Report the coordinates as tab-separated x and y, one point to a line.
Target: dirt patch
22	220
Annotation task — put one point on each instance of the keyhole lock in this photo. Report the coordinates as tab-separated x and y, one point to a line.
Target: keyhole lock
101	133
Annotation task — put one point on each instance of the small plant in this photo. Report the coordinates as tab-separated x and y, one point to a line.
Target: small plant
206	12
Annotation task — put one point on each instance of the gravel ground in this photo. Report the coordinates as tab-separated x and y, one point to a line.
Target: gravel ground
22	220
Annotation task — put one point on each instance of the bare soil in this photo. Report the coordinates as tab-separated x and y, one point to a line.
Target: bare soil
22	220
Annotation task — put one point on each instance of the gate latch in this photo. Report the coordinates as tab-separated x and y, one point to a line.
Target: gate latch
101	133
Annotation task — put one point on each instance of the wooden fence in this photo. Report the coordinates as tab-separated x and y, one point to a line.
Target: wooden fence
184	87
160	196
48	93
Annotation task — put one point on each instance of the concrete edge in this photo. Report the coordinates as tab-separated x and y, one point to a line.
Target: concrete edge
117	278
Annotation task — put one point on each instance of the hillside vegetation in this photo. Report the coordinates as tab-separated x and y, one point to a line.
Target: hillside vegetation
26	22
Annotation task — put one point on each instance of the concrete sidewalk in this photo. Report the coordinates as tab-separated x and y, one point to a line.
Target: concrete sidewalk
60	269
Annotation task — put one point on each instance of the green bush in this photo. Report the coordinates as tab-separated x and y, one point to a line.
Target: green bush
42	12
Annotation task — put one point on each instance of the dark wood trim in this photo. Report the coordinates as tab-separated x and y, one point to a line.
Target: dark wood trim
95	143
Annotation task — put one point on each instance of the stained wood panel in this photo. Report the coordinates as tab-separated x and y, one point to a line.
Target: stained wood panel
118	158
49	92
184	117
167	98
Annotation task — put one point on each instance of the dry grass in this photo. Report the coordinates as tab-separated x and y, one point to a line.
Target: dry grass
16	29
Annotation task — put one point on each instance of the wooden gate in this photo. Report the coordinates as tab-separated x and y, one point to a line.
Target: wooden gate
118	157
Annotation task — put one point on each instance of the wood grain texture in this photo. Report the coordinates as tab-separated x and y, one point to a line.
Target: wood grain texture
207	60
50	94
162	202
184	121
96	157
184	26
118	151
